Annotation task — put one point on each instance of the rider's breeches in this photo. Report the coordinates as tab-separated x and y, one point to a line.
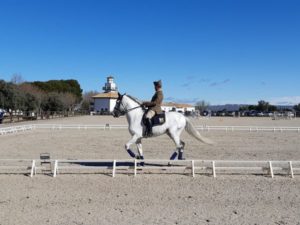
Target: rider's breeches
150	114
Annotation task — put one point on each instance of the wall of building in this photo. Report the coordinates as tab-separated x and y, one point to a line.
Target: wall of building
167	108
101	105
170	108
112	103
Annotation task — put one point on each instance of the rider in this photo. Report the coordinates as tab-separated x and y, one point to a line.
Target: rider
154	107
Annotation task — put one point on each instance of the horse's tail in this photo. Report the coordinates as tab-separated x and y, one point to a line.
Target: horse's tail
189	127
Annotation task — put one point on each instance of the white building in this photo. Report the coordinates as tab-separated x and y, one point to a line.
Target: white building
105	102
183	108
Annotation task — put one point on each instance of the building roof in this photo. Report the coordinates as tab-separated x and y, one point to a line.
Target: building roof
112	95
177	105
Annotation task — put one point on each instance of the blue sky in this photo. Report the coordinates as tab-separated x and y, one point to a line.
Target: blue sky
228	51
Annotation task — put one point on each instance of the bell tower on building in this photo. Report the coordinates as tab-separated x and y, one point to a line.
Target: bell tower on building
110	85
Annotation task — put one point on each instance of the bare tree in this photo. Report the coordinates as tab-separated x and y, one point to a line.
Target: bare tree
87	100
38	94
68	100
202	105
17	78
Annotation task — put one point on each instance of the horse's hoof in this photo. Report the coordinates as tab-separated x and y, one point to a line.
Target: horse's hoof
141	164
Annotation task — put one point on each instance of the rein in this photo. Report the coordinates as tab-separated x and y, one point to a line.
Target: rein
128	110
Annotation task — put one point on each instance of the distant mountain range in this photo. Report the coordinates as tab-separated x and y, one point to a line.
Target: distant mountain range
236	107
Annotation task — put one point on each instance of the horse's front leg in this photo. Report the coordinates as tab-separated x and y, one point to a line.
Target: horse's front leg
129	143
140	150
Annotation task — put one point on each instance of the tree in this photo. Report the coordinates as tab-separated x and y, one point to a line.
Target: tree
202	105
243	108
68	100
35	93
11	97
17	79
61	86
272	108
48	96
87	100
52	102
263	106
297	109
252	107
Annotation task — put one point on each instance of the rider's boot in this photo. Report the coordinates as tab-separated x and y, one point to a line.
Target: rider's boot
148	128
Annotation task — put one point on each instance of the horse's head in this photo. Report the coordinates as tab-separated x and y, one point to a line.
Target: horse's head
119	109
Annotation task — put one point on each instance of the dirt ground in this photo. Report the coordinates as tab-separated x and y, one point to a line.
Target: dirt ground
151	199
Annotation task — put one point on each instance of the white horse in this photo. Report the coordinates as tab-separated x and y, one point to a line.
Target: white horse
174	125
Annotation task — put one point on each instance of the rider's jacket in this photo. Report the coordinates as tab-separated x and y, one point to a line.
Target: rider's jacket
156	102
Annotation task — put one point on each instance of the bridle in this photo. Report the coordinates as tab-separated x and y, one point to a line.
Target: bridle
120	103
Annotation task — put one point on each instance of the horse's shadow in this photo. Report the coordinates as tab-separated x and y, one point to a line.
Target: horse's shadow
121	164
104	164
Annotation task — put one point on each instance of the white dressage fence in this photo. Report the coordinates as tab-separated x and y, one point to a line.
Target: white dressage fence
248	128
18	166
16	129
21	128
151	166
202	128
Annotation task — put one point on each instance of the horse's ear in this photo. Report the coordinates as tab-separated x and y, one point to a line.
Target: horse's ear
119	95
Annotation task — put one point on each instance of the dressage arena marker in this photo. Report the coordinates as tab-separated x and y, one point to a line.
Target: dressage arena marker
151	166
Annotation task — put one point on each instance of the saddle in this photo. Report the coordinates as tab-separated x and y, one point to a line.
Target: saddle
158	119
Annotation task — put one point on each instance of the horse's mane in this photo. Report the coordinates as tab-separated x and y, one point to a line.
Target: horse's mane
135	99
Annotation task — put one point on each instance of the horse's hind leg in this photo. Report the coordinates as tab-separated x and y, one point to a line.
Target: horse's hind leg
180	150
175	136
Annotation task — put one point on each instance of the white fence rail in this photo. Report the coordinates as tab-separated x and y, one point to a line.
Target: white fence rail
150	166
202	128
16	129
248	128
18	166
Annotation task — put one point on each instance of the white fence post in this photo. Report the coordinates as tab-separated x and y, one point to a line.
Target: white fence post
271	169
55	168
33	169
114	168
214	169
193	168
291	169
